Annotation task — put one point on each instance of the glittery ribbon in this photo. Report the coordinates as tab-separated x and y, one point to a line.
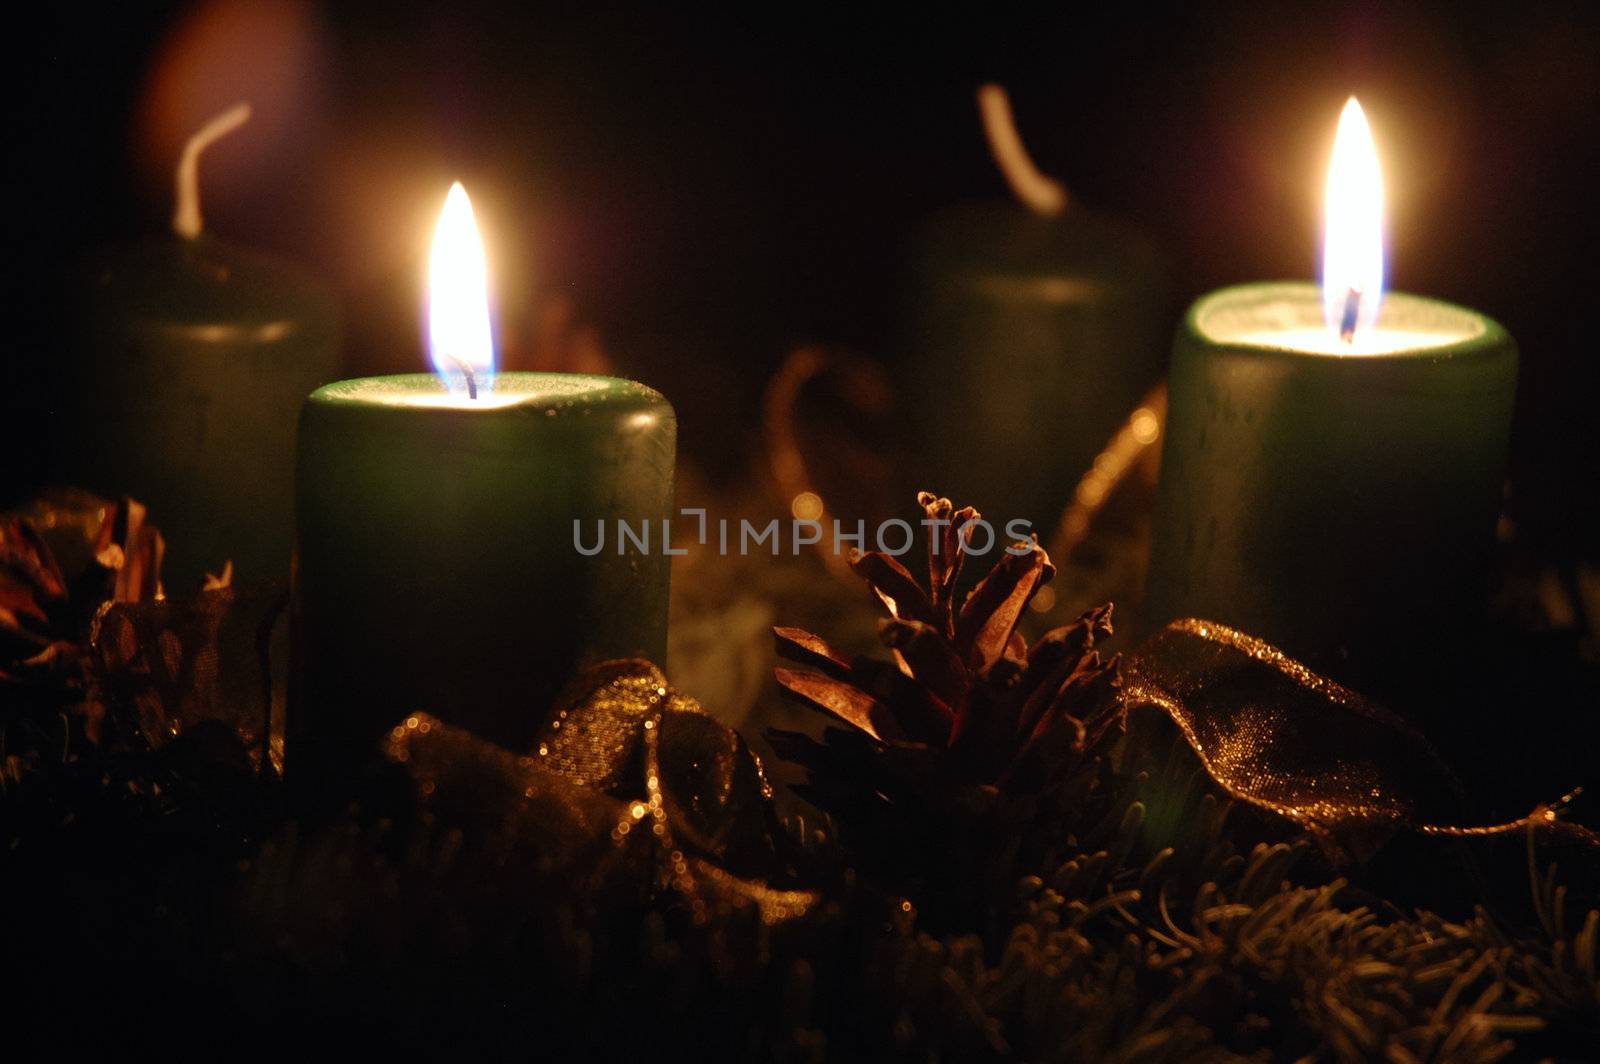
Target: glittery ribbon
1278	736
629	775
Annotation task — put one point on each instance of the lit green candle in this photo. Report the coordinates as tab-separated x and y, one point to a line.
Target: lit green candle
1332	472
440	520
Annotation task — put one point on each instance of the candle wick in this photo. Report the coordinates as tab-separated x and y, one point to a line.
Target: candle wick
472	378
186	214
1039	192
1347	320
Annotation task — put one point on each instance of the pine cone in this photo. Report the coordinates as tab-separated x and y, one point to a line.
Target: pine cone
972	747
62	557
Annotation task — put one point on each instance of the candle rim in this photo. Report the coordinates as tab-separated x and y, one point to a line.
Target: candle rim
1001	238
1487	335
594	390
225	291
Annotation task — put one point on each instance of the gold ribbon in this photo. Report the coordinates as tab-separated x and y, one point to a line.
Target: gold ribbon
1278	736
628	776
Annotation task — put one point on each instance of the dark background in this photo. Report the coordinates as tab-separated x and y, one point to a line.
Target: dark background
711	188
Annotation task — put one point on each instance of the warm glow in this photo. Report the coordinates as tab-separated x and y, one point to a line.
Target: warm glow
1352	251
807	506
458	293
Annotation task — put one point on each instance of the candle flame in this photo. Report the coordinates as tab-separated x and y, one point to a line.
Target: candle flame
1352	250
458	292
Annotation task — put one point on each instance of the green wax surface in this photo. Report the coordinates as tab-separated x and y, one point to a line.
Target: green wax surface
1341	506
437	569
191	362
1027	342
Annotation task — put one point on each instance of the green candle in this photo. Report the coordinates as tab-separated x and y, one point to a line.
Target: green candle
447	527
438	564
194	357
1033	329
1030	342
1332	473
1340	505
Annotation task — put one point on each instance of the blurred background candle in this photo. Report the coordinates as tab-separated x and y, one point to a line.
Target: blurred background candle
1335	458
191	360
1033	327
438	569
